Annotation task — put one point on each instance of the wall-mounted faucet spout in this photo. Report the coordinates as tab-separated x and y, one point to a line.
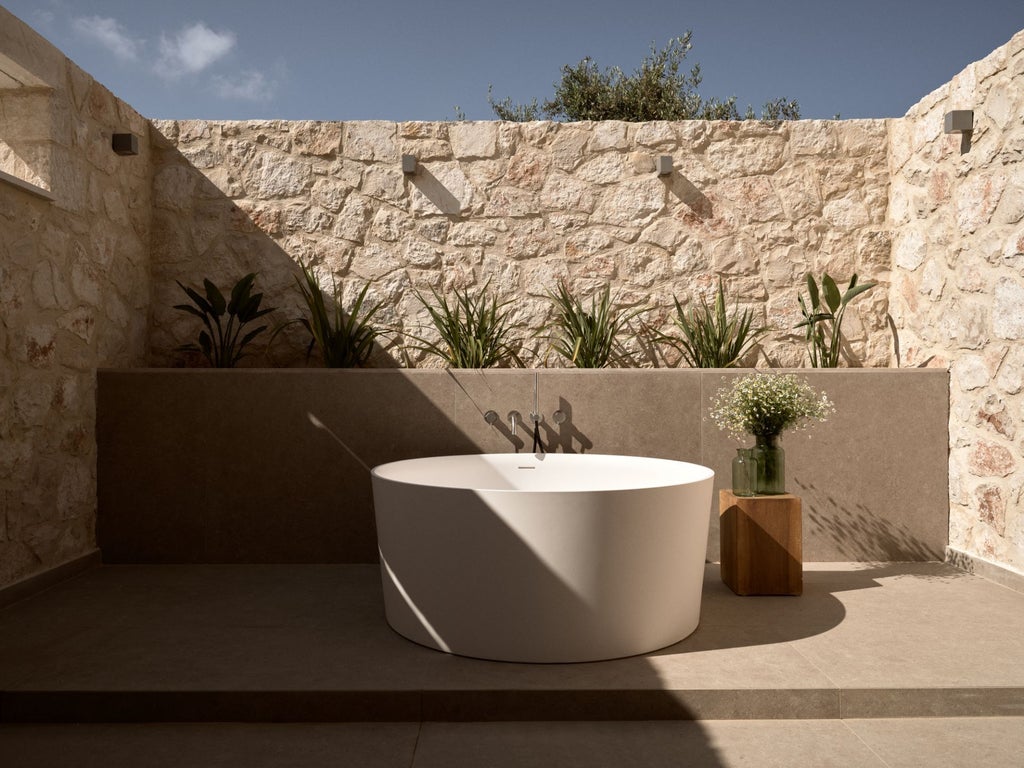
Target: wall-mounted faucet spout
538	445
535	413
514	417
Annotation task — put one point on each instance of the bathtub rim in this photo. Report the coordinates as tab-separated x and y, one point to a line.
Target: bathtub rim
699	473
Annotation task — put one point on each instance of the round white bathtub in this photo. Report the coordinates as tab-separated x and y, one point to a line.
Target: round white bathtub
542	558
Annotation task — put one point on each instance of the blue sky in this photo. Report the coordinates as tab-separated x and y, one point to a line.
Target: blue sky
418	59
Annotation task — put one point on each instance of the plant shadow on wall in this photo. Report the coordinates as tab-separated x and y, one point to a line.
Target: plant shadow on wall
860	534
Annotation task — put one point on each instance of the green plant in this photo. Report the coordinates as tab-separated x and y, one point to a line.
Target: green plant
587	338
658	90
823	322
222	343
711	337
765	404
474	332
344	340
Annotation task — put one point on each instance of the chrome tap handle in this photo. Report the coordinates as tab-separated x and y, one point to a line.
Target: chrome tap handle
491	417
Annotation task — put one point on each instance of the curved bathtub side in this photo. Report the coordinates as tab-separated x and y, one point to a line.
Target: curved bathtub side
543	576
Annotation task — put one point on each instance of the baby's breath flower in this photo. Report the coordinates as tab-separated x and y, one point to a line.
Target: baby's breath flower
767	403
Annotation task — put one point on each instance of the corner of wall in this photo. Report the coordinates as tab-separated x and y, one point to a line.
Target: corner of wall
75	292
956	206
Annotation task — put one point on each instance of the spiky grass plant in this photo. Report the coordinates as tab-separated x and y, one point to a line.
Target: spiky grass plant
345	339
765	404
475	331
711	336
222	342
587	338
823	322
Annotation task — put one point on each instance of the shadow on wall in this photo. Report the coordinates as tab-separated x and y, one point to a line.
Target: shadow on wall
436	192
700	206
209	466
873	478
859	534
194	221
564	435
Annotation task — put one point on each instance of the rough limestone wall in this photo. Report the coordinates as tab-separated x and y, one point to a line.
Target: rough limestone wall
74	295
524	206
957	291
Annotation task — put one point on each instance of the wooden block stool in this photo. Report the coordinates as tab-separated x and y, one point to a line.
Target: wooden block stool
762	544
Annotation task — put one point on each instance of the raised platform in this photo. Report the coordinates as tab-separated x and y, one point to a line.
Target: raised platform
303	643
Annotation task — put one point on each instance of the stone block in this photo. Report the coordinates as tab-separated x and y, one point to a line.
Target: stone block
633	203
370	141
1008	314
473	139
988	459
976	199
275	176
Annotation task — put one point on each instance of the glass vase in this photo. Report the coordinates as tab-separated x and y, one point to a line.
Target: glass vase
771	465
744	472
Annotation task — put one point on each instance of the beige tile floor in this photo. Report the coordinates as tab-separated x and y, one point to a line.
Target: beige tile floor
875	665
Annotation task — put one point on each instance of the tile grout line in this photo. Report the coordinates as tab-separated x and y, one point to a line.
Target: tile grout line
792	646
840	697
416	742
867	746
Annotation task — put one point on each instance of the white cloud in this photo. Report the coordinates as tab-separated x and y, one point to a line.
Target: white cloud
110	34
192	50
250	85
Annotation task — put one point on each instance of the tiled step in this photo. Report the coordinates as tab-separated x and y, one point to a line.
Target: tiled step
310	644
993	742
500	705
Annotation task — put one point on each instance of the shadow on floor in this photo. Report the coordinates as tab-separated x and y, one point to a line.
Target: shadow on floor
731	621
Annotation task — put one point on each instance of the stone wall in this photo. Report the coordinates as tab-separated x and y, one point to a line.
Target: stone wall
74	295
957	297
524	206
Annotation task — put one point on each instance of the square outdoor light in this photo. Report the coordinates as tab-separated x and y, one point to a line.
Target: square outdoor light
664	165
959	121
125	143
408	164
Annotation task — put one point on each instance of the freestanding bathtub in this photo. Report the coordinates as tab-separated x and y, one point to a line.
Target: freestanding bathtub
542	558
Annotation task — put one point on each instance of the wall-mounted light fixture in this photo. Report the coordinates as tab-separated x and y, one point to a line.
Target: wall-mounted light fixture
408	164
959	121
125	143
664	165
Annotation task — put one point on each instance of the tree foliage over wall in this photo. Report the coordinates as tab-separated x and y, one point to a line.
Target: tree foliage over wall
660	89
